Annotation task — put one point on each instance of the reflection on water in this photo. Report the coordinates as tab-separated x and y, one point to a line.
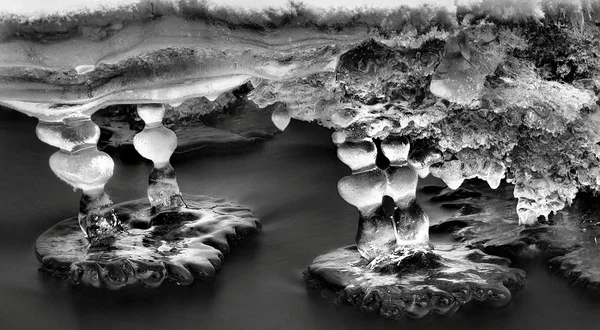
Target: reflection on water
290	184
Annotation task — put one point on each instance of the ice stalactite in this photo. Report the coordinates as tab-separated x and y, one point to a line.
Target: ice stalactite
80	164
410	221
365	189
185	241
539	197
421	160
393	269
281	117
390	218
157	143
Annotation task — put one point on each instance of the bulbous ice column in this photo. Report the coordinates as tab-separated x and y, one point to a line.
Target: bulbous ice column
393	269
410	221
80	164
157	143
390	218
184	243
365	190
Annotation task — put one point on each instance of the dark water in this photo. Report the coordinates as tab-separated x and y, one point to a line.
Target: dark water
290	183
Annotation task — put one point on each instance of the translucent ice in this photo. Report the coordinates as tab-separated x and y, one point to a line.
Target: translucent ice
421	160
359	155
395	149
69	136
390	217
411	224
461	75
540	196
344	117
157	143
468	164
80	164
87	169
364	190
472	81
151	114
281	118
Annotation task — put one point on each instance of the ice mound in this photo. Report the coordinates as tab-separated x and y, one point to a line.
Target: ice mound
487	89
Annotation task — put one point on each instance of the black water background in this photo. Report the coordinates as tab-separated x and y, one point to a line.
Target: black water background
290	183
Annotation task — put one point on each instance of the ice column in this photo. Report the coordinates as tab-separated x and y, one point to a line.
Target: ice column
157	143
80	164
390	217
411	223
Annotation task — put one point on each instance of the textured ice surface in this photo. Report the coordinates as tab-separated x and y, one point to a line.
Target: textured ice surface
424	283
383	191
157	143
177	246
80	164
485	219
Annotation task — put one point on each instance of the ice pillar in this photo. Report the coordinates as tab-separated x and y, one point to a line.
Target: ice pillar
411	223
390	218
157	143
83	166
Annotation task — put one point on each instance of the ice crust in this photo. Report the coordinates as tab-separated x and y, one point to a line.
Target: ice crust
488	89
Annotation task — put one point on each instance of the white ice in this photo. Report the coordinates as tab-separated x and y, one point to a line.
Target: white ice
359	155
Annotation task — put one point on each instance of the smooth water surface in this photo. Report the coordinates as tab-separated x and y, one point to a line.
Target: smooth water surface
290	183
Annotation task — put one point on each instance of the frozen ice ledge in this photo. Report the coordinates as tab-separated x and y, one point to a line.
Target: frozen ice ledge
490	89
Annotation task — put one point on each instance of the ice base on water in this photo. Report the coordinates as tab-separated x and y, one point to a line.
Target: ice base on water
180	246
421	283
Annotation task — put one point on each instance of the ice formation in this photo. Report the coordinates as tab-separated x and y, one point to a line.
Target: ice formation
81	165
485	219
157	143
384	195
473	89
